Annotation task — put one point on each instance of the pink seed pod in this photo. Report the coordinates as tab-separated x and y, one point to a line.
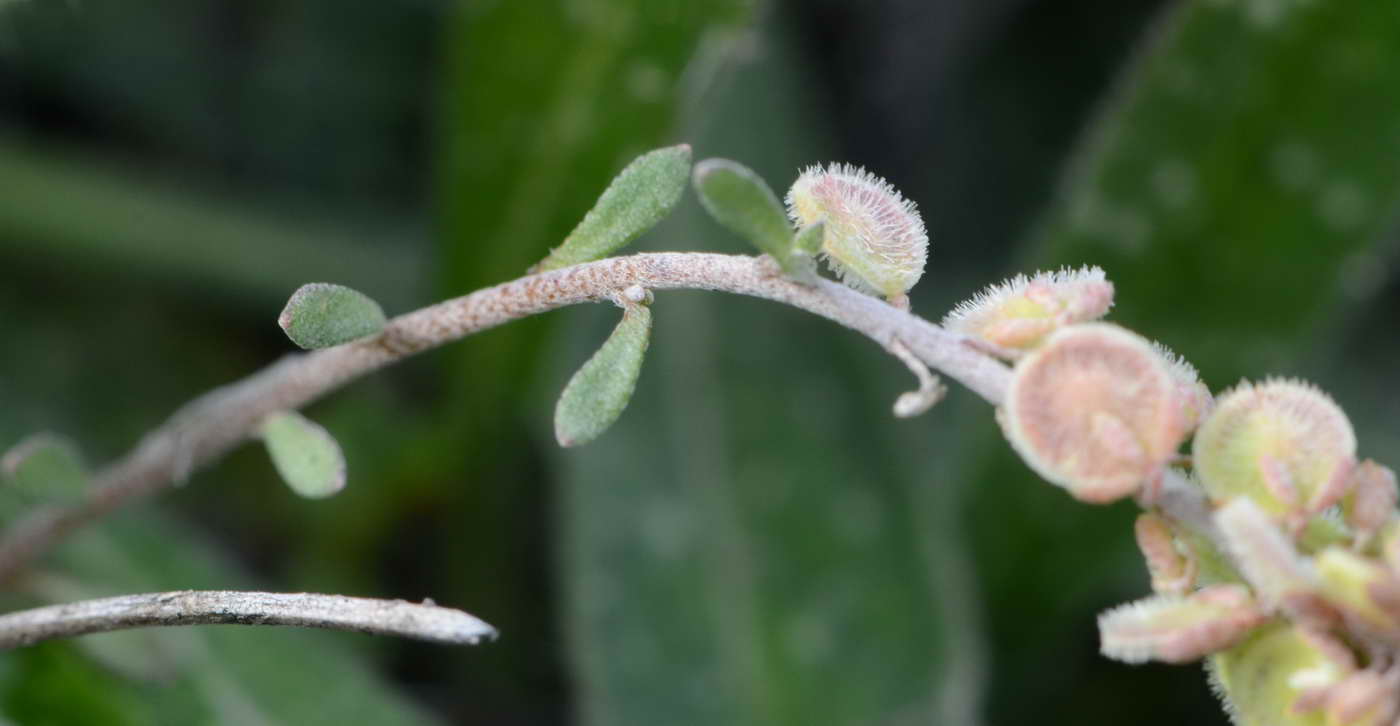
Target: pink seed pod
1282	443
1093	410
1371	502
1017	314
1193	397
875	239
1175	629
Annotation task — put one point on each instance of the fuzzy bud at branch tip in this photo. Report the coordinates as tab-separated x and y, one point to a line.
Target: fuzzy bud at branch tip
874	240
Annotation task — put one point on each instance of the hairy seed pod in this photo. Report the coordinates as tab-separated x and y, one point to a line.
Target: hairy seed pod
1017	314
1283	443
1193	396
875	239
1371	502
1094	410
1276	674
1175	629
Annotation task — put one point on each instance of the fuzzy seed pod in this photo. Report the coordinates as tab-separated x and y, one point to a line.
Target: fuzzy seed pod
1192	395
1094	410
875	239
1175	629
1371	502
1279	675
1284	444
1017	314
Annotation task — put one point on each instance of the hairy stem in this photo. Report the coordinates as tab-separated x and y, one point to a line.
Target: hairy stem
226	607
214	423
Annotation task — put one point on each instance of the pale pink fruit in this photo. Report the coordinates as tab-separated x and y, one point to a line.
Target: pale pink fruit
1094	410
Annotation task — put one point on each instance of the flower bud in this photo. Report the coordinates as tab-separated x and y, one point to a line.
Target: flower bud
1017	314
1093	410
875	239
1284	444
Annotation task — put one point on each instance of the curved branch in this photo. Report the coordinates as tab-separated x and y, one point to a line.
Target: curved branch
225	607
214	423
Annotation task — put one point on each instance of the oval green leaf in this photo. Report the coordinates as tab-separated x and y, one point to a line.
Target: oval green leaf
322	314
305	454
600	390
46	468
640	195
740	200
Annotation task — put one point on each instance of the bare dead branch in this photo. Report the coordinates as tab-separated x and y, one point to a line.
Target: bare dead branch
424	621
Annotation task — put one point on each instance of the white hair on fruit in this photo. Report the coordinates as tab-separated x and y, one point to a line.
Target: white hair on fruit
875	239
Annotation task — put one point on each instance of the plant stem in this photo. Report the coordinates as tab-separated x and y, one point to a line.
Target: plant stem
211	425
225	607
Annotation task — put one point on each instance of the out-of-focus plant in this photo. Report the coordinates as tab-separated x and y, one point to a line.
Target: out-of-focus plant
1274	552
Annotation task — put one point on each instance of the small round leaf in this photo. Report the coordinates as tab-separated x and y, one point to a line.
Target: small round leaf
321	314
305	454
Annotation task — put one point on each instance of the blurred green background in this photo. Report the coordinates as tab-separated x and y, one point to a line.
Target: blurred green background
757	541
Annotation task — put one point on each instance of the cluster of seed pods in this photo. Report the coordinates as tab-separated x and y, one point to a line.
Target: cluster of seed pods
1293	595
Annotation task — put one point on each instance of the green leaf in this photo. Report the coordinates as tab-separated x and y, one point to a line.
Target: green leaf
561	123
322	314
740	200
741	552
305	454
45	468
640	195
600	390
